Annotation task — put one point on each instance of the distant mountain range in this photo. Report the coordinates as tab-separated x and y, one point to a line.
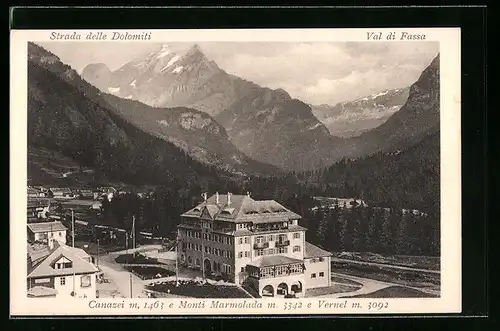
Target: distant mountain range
352	118
222	120
72	117
417	119
267	125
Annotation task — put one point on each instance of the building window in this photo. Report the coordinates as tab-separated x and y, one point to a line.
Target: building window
60	234
266	272
247	253
295	268
281	270
296	235
259	240
242	269
240	241
296	248
85	281
197	262
313	275
282	237
282	250
246	240
270	237
240	254
269	251
259	252
183	257
62	281
322	274
321	259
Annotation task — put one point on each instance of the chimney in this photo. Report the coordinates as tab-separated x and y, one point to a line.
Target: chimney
229	198
204	195
248	194
217	197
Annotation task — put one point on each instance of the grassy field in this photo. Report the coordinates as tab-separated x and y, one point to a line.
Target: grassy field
194	290
417	262
336	288
394	292
390	275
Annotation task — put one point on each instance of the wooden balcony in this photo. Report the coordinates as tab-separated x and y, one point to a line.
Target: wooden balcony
282	243
261	245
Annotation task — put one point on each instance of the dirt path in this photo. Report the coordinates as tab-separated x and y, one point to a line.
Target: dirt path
369	286
121	277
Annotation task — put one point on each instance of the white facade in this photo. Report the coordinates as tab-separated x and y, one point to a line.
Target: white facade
84	286
51	236
318	272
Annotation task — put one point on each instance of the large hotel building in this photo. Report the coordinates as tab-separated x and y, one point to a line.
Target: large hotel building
254	243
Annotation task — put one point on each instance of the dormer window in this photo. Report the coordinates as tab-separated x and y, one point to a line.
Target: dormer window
63	265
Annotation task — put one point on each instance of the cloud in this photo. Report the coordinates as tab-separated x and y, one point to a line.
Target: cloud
313	72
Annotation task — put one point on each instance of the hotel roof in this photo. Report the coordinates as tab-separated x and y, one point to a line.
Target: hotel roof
274	260
46	227
312	251
241	208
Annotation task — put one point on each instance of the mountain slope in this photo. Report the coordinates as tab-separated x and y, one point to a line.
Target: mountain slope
267	125
352	118
270	126
194	132
66	117
410	177
417	119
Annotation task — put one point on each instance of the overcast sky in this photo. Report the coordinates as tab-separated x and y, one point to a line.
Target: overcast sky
315	73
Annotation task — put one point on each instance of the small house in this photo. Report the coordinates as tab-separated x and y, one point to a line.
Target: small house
64	272
61	193
47	232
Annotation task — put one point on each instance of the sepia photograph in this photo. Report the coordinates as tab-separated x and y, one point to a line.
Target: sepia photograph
233	170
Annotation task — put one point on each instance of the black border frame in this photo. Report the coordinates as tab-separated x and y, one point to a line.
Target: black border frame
472	21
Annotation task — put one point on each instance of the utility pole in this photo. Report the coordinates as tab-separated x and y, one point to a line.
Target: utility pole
73	228
133	231
177	260
73	245
126	253
97	253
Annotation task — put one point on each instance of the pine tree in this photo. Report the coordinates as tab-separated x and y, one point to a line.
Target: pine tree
322	228
403	234
358	236
385	243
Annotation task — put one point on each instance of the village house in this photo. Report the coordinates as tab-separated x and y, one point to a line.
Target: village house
34	192
342	203
254	243
38	207
85	193
63	272
61	193
47	232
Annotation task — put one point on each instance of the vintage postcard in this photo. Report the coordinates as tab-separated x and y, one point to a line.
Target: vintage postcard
235	172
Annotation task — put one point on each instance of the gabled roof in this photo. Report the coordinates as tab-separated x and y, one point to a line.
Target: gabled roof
60	189
242	208
312	251
46	227
274	260
38	251
76	255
